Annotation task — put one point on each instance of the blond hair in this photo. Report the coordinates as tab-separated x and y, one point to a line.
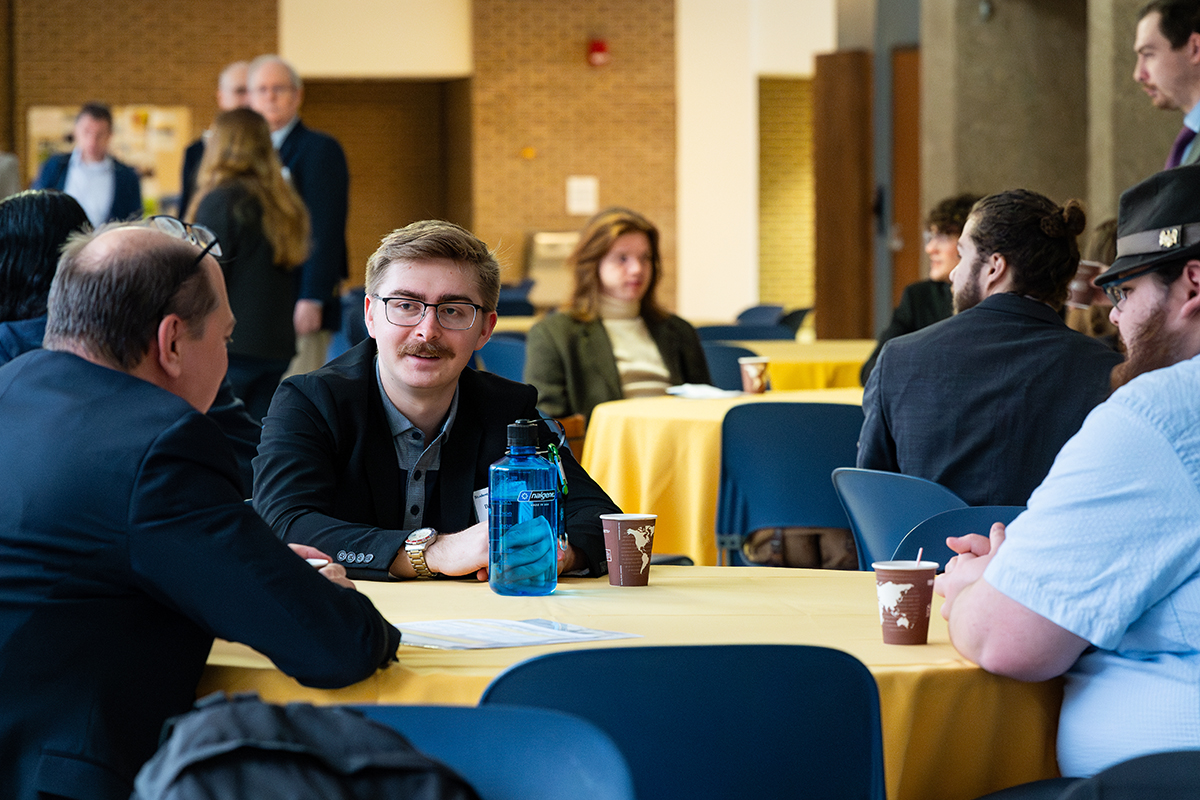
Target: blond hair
240	151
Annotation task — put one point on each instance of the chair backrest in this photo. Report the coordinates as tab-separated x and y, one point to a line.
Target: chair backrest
516	753
734	333
504	355
1173	775
794	319
930	534
723	369
800	721
775	465
761	315
884	506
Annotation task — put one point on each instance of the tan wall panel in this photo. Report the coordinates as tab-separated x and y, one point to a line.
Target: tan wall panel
393	133
787	213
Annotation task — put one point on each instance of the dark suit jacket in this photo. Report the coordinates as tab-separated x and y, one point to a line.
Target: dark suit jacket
127	190
571	363
227	411
922	304
191	170
319	172
126	547
327	474
261	294
982	402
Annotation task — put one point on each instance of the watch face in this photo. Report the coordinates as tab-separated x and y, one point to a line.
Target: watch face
420	536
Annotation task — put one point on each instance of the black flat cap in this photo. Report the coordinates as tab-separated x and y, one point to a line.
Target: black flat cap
1158	223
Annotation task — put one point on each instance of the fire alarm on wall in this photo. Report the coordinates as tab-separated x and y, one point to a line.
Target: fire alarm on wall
597	52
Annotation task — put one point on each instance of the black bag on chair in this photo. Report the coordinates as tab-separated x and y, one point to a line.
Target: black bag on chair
244	749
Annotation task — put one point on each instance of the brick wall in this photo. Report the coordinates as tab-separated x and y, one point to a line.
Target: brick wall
786	195
533	88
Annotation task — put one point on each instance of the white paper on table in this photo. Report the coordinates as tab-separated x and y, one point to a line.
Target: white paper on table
478	634
701	391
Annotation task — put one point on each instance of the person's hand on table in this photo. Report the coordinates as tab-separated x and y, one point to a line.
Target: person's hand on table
336	573
453	554
974	554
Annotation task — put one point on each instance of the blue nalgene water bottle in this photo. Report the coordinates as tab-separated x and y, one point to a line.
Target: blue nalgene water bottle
523	517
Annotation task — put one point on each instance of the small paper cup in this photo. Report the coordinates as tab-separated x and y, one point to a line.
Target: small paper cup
904	590
628	544
756	378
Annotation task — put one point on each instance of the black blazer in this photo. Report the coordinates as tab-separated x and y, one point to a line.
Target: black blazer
327	474
126	547
922	304
982	402
318	170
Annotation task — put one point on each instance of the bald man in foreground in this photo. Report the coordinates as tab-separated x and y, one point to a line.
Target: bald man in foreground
126	546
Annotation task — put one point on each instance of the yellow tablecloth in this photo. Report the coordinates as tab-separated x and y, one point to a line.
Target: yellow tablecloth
662	455
523	324
950	730
823	364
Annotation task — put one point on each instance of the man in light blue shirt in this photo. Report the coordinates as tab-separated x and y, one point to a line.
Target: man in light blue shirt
1099	580
107	189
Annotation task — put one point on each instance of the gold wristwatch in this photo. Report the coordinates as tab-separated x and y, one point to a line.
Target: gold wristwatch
415	546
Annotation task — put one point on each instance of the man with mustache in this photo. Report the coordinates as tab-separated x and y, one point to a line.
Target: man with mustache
375	456
1100	578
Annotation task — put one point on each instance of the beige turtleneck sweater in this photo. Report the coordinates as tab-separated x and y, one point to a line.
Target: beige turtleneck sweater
640	365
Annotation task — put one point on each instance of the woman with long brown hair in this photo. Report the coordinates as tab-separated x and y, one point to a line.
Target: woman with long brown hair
613	339
263	228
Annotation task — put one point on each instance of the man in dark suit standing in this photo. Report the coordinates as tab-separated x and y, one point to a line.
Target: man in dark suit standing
317	167
231	94
126	545
982	402
107	189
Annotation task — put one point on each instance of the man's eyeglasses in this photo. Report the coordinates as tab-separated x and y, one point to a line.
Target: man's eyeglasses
198	235
1116	294
404	311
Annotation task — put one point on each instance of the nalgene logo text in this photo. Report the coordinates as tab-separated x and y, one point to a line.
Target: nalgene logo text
540	495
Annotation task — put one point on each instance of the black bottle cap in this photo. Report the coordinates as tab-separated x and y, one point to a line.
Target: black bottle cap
522	433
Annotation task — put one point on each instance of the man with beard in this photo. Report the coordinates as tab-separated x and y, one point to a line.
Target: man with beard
1100	578
375	457
1002	382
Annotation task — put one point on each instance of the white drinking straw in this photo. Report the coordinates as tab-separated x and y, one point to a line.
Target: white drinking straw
920	550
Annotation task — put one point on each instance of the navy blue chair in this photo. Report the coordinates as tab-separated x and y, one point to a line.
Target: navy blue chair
515	753
775	465
761	315
734	333
884	506
504	355
802	721
930	534
723	369
794	319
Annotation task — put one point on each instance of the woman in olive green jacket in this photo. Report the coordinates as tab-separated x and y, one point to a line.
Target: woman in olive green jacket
613	340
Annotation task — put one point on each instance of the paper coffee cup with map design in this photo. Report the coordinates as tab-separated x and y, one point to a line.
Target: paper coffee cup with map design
628	544
905	593
756	378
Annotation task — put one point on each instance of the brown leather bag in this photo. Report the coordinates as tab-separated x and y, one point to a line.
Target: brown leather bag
809	548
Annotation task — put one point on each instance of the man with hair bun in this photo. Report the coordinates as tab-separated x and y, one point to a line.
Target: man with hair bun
926	302
982	402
